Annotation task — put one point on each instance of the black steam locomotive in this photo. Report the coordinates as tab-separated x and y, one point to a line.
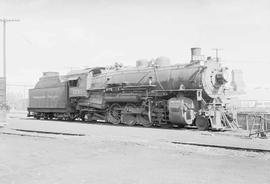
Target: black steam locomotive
152	93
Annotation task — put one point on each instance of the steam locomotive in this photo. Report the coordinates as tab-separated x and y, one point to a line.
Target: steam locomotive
152	93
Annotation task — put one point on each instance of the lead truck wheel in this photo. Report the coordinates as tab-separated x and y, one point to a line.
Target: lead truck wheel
202	123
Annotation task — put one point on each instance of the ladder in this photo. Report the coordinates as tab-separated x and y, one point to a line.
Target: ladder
233	124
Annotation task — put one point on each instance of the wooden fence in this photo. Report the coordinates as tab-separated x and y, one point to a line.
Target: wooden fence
247	119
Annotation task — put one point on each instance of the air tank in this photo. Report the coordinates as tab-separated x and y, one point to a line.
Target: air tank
162	61
142	63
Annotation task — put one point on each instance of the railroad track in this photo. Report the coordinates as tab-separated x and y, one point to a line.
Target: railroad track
44	134
47	132
223	147
27	133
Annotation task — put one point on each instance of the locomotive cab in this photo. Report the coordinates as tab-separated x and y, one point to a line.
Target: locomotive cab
92	74
77	85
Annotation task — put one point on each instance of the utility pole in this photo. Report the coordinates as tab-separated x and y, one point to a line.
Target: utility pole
4	21
216	50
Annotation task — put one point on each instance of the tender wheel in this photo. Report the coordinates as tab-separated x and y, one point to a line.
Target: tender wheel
82	116
71	117
128	119
89	117
46	116
51	116
144	121
202	123
37	116
114	114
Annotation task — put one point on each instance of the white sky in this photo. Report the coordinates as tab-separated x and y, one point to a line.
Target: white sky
59	34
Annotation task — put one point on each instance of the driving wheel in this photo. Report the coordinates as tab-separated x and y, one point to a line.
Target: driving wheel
114	114
128	118
144	120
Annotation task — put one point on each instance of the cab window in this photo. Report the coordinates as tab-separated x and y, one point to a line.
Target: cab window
73	83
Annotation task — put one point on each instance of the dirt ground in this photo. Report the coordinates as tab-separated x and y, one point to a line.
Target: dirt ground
116	154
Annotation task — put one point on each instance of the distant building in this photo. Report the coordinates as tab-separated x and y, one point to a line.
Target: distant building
255	100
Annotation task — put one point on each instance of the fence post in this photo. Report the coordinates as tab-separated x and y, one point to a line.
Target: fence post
247	126
266	121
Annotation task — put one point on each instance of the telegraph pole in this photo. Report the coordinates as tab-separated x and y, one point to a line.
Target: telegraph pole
5	21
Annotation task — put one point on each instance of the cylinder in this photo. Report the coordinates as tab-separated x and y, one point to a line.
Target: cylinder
181	111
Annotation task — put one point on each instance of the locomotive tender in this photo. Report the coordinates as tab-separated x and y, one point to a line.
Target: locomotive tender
152	93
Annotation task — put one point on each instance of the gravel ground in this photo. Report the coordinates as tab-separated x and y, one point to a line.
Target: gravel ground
116	154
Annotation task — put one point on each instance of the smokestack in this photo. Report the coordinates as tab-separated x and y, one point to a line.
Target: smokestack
196	54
